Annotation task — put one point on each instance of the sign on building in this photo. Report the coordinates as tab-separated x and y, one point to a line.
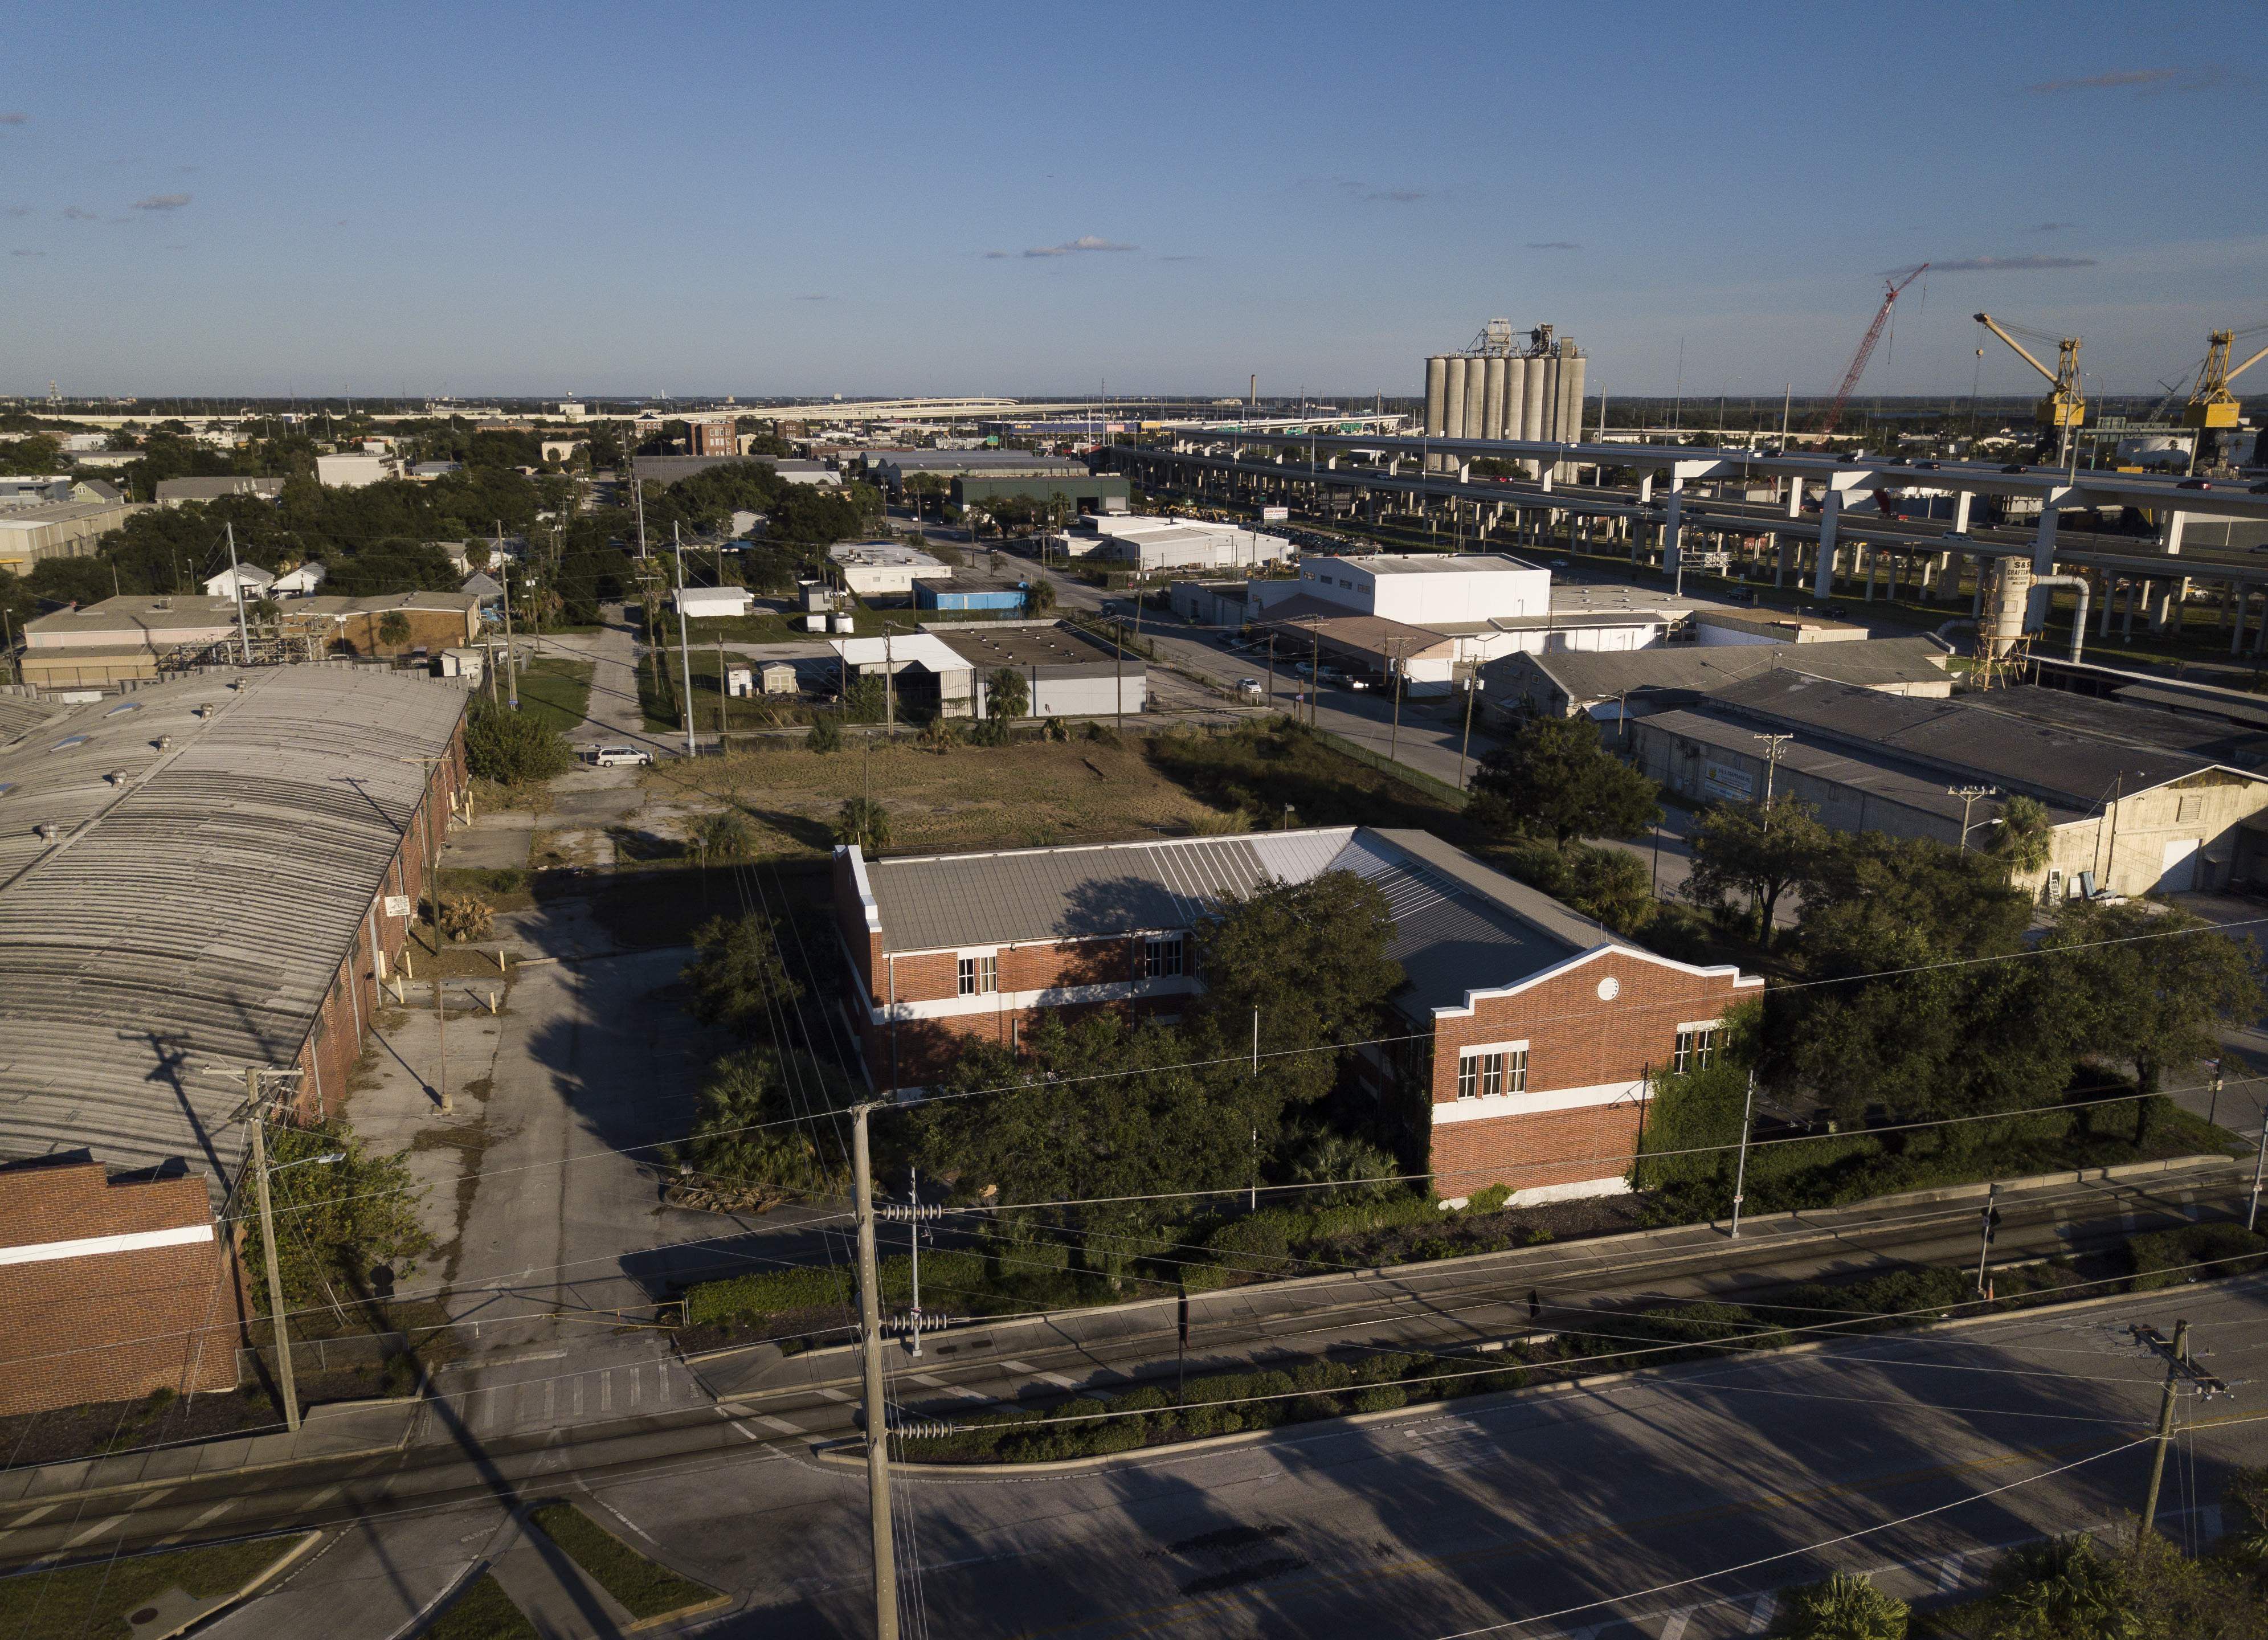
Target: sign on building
1733	785
398	905
1275	515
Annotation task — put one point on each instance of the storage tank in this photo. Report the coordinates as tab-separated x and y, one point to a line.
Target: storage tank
1476	397
1533	419
1515	398
2012	591
1437	374
1453	403
1492	400
1548	397
1571	370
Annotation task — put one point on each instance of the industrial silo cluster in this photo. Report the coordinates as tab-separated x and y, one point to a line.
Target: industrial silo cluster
1501	388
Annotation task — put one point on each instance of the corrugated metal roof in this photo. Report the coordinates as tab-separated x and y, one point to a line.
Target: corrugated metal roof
198	896
1458	925
21	713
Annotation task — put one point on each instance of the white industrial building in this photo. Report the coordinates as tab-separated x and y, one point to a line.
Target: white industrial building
1146	543
713	602
877	568
253	581
1067	673
354	469
1419	589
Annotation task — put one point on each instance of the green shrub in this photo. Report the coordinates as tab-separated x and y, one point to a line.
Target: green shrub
826	733
2169	1258
513	748
1256	1245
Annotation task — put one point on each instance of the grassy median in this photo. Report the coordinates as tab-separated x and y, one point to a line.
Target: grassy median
645	1588
99	1599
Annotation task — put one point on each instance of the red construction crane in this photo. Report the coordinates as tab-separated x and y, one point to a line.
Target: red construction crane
1895	283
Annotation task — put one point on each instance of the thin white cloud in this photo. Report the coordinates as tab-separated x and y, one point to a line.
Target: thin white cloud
74	213
2009	264
999	256
27	253
15	119
1553	245
2145	80
162	201
2052	227
1084	243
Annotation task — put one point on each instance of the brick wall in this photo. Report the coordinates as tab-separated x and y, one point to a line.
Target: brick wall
114	1326
1576	1039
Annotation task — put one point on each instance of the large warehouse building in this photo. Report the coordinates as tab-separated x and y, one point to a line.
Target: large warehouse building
1535	1028
2143	800
196	877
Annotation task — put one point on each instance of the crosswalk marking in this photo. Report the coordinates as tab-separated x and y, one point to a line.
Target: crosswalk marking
1948	1574
1760	1618
323	1497
1058	1380
94	1531
40	1513
780	1425
834	1395
1673	1627
203	1518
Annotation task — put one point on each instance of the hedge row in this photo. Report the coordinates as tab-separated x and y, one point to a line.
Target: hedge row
1215	1404
815	1286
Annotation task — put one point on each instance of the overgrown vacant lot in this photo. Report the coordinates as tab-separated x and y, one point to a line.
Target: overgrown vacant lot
1027	795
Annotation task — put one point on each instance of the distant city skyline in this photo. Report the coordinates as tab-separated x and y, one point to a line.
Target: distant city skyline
254	200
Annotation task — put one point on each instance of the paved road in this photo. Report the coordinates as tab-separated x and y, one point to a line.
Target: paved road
1669	1507
618	1407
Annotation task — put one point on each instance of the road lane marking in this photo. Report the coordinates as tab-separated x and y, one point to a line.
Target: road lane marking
323	1497
930	1378
1760	1618
1058	1380
780	1425
834	1395
635	1374
94	1531
606	1390
40	1513
1949	1575
1673	1627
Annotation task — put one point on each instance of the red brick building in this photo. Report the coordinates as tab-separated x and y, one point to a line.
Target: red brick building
1538	1026
111	1288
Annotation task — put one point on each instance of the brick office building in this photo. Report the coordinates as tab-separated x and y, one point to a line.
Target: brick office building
111	1288
1536	1027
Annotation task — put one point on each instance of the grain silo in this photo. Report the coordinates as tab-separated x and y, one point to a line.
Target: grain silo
1437	376
1476	397
1516	397
1452	401
1492	398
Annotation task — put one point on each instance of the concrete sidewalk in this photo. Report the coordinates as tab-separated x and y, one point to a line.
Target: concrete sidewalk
357	1429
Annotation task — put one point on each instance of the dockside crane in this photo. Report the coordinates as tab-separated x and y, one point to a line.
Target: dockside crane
1892	285
2065	407
2213	409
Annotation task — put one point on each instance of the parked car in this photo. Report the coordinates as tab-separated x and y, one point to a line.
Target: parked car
1251	688
619	756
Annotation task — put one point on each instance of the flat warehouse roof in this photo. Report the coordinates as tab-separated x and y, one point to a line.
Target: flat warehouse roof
1054	644
198	896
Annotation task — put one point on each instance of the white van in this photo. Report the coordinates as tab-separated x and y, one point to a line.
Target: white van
615	756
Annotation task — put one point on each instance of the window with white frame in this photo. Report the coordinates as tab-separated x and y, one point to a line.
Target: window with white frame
1697	1047
1162	958
1493	1071
979	975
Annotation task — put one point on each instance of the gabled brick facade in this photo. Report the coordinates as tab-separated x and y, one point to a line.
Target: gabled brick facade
111	1288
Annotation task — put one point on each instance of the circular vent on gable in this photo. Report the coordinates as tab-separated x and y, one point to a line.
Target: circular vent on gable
1609	988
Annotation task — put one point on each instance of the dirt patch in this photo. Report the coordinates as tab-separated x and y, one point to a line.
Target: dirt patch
471	1141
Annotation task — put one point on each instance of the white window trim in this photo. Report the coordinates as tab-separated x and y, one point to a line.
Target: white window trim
1702	1025
1491	1101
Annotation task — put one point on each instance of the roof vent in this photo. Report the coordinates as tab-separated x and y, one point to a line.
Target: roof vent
164	742
118	777
206	709
47	831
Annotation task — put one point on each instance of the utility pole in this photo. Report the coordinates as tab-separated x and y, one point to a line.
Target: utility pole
877	1430
2179	1366
1772	744
440	1002
511	666
1990	1218
1118	671
236	585
1271	672
1397	666
1465	746
1968	796
684	640
1741	1174
913	1230
2259	1160
278	1322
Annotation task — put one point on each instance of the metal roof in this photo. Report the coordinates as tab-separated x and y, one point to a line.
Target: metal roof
218	839
21	711
1458	926
1585	675
1001	643
1879	774
2024	744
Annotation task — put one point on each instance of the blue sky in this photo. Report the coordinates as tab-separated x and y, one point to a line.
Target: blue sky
700	199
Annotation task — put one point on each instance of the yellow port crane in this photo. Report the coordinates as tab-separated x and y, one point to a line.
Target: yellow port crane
2064	409
2212	407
